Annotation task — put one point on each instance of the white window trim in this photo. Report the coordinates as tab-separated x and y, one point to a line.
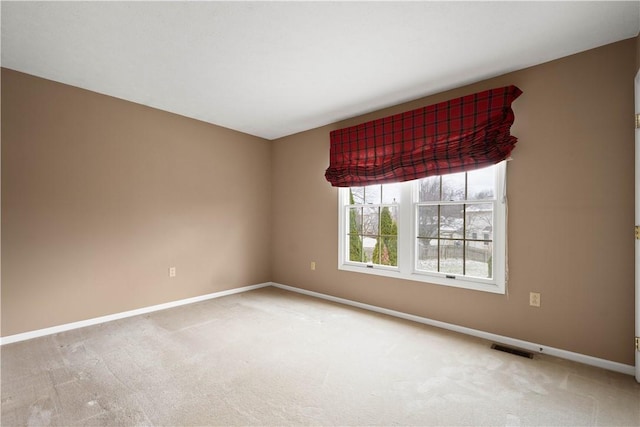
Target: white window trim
406	243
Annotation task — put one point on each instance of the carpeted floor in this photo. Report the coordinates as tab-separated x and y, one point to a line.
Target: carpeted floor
272	357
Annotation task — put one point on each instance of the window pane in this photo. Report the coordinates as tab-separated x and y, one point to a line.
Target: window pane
453	187
451	257
451	221
371	221
355	220
481	183
356	197
374	257
356	250
427	256
479	221
368	243
427	221
478	260
372	194
391	193
386	251
389	221
429	189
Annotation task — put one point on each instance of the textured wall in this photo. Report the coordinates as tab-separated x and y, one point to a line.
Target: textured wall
571	213
101	196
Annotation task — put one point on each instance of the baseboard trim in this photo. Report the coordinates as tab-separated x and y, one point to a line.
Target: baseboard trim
102	319
536	348
526	345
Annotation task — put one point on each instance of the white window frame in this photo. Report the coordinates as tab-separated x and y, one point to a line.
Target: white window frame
407	242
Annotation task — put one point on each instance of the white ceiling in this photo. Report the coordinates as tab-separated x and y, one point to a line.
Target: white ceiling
276	68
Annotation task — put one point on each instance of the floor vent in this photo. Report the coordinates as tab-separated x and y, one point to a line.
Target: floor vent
515	351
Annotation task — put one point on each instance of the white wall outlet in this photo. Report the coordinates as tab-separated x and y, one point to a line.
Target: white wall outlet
313	265
172	272
534	299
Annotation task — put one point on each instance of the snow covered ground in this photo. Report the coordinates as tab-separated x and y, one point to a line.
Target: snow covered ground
454	266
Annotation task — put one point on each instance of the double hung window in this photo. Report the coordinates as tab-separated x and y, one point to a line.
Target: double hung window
447	230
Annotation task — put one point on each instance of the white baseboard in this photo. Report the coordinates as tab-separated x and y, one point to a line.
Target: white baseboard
96	320
526	345
537	348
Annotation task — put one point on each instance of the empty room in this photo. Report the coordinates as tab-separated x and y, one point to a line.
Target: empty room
320	213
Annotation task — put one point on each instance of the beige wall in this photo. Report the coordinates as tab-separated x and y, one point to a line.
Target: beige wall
638	53
100	196
571	198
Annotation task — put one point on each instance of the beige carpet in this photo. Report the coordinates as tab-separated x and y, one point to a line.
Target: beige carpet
272	357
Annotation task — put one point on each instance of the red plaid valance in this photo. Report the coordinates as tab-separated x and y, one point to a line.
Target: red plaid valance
458	135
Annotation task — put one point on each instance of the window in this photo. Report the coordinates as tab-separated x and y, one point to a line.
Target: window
373	224
447	230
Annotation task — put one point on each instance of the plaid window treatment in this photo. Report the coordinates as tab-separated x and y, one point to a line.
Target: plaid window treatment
459	135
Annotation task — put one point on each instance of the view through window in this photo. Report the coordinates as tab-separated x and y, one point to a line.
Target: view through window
445	229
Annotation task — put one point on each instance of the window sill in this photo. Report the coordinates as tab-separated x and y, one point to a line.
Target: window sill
458	282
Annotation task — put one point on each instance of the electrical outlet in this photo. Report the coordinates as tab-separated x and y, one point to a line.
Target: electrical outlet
313	265
172	272
534	299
